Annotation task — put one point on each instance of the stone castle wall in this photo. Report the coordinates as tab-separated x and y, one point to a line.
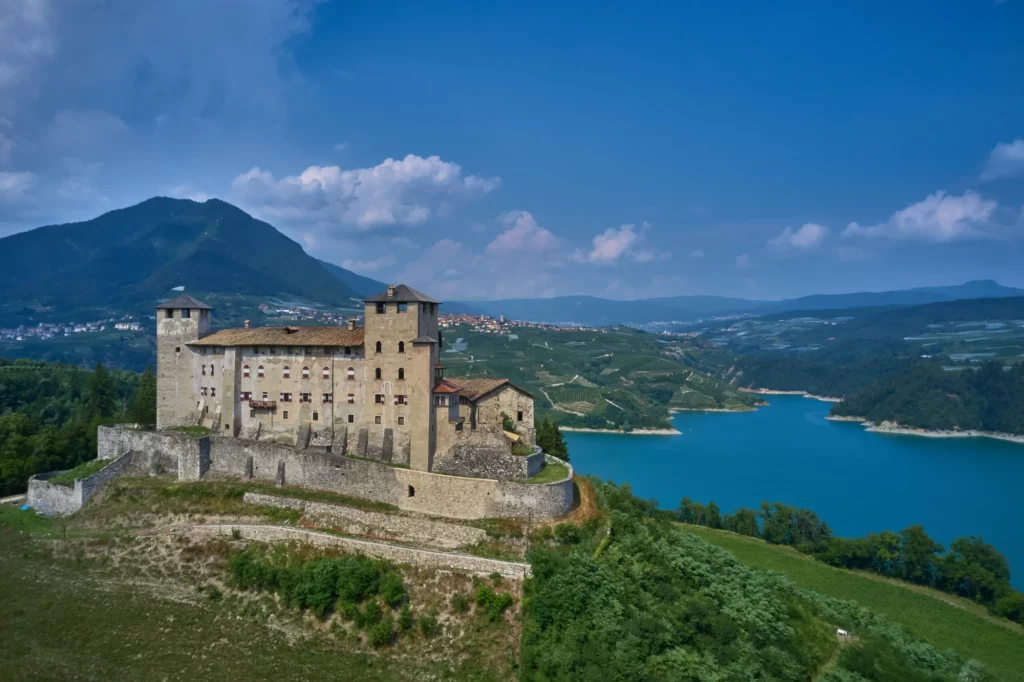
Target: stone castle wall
417	491
54	499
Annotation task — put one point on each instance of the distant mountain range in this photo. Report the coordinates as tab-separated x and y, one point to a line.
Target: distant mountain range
591	311
127	259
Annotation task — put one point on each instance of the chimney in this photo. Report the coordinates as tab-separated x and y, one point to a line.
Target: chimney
351	324
391	291
247	324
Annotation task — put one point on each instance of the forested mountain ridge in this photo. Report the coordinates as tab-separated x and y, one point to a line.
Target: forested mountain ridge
130	257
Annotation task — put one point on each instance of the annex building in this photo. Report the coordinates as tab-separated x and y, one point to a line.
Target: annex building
378	391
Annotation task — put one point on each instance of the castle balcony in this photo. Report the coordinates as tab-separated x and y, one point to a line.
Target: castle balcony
263	404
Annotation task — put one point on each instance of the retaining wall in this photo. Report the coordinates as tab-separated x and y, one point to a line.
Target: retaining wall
497	462
53	499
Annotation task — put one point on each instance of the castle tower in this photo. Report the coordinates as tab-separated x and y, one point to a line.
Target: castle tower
178	321
402	344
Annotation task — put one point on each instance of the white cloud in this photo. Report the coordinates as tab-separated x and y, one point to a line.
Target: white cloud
809	236
743	261
186	192
373	265
15	186
1005	161
26	39
613	244
938	218
408	191
696	254
523	234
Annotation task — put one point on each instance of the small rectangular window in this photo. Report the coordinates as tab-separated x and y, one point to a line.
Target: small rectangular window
177	349
351	418
315	416
402	307
519	416
185	313
401	421
213	393
382	308
252	413
168	313
286	414
376	420
378	398
351	398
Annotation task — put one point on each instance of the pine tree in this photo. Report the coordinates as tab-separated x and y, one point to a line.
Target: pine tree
100	399
144	407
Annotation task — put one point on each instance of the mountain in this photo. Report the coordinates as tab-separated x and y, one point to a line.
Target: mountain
130	257
364	286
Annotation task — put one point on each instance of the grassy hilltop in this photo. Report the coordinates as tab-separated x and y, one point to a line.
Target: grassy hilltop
607	378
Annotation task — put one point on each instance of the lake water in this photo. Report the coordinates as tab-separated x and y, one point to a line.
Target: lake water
858	482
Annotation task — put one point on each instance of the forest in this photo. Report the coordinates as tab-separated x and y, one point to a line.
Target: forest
924	395
49	414
970	568
634	596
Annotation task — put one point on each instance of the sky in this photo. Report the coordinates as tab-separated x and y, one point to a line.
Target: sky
477	151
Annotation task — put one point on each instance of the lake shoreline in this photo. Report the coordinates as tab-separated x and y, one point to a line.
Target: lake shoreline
892	428
634	432
804	394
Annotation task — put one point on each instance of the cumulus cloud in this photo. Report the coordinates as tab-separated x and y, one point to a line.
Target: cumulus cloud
612	245
938	218
523	234
743	261
806	238
407	191
696	254
15	186
371	265
1005	161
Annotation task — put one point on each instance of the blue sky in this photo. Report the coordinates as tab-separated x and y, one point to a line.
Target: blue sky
530	150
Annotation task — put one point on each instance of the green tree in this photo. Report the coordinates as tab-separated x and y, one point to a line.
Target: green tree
550	439
919	560
144	406
100	398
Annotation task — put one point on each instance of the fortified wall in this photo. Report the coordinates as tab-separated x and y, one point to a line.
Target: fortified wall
408	489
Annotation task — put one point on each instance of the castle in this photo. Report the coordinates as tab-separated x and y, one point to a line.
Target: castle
377	391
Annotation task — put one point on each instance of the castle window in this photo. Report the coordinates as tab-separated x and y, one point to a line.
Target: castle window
305	397
463	400
259	371
227	427
305	372
245	371
351	418
412	491
168	313
379	346
177	349
252	413
185	313
519	416
286	397
211	370
440	401
245	395
377	373
316	417
286	372
285	414
264	395
348	350
326	373
382	308
401	373
378	398
401	421
376	420
351	398
401	346
402	307
401	400
351	373
204	370
328	397
213	393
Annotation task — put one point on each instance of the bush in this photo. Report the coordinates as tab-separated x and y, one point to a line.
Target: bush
492	603
382	633
405	619
567	534
369	615
428	624
496	578
391	588
460	603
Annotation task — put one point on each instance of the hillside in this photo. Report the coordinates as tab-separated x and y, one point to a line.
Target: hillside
127	259
607	378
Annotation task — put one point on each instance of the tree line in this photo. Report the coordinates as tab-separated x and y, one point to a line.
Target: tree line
49	413
971	567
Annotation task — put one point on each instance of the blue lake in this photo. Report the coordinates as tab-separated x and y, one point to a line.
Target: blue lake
858	482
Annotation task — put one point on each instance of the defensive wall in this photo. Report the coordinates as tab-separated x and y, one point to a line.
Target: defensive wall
436	494
54	499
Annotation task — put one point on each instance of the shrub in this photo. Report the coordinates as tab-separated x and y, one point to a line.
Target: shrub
405	619
460	603
236	534
496	578
391	588
428	624
369	615
381	634
213	593
521	450
492	603
567	534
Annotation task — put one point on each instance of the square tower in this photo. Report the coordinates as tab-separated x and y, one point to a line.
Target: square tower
178	321
402	343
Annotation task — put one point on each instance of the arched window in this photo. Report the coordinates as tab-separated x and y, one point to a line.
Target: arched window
351	373
327	373
286	372
305	372
401	373
378	346
259	371
245	370
401	346
377	374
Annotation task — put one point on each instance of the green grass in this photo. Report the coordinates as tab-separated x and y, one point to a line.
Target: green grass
551	473
83	470
195	431
944	620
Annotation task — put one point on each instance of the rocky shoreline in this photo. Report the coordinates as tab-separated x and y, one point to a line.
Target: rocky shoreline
634	432
893	428
805	394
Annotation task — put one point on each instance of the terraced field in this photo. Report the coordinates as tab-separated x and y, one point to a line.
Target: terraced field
609	378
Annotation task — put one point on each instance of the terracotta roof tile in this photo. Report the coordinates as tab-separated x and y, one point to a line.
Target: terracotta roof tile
443	386
183	301
474	389
284	336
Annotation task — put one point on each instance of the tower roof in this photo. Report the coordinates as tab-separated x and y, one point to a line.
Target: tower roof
183	301
402	294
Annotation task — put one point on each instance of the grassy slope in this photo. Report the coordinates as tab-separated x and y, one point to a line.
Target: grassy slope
943	620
